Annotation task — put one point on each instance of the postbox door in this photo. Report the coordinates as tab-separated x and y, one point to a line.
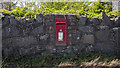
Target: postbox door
61	32
61	37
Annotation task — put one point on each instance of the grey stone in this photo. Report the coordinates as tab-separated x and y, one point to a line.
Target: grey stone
13	21
39	17
10	31
115	36
79	49
103	27
6	21
20	41
37	31
44	37
69	50
75	39
106	48
49	29
22	20
7	52
89	48
47	52
32	50
117	21
40	48
23	51
86	29
89	39
95	21
106	19
102	35
82	20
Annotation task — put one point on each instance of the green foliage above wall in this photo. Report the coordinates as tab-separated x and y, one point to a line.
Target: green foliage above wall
91	9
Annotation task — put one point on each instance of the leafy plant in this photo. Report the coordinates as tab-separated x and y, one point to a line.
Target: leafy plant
55	60
90	9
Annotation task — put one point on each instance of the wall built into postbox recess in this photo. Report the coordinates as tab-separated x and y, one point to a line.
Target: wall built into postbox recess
23	37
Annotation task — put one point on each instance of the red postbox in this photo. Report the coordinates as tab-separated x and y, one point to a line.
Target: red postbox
61	32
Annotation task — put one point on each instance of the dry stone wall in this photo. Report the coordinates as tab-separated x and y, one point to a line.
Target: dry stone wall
31	37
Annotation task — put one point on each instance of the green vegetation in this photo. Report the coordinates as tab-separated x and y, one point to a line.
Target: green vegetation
91	9
53	60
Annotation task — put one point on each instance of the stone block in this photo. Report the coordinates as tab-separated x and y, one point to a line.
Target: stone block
37	31
117	21
13	21
82	20
70	23
44	39
106	48
95	21
6	52
102	35
5	21
82	49
50	23
115	36
20	41
86	29
49	18
39	18
10	31
106	20
103	27
75	39
72	30
22	20
72	27
69	50
31	51
88	39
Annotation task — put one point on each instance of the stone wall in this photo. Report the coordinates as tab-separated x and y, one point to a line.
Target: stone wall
31	37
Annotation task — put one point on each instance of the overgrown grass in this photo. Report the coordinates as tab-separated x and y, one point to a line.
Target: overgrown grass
91	58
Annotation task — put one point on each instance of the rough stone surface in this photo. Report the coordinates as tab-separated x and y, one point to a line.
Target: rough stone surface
12	20
6	21
95	21
39	17
86	29
106	19
10	31
22	42
82	20
89	39
36	37
37	31
106	48
102	35
117	21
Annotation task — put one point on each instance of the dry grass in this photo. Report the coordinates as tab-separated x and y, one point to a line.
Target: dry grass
95	63
90	60
67	64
